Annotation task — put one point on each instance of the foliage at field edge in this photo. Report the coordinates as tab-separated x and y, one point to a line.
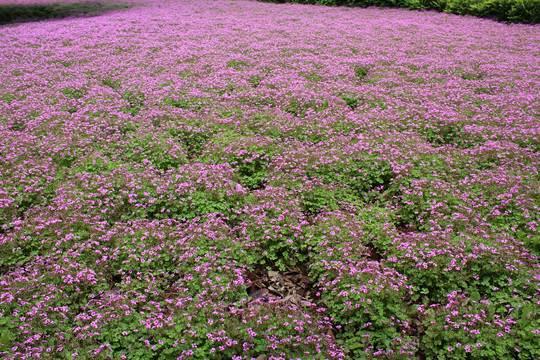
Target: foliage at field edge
231	179
516	11
35	11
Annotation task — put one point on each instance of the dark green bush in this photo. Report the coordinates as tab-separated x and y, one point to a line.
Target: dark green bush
517	11
11	13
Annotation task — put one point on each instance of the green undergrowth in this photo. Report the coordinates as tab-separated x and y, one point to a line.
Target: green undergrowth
12	13
516	11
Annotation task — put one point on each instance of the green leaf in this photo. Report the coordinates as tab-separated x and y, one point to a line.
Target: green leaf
525	312
5	339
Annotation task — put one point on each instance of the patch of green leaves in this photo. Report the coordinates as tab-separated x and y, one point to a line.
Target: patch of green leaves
251	168
112	83
135	101
194	140
301	108
237	64
157	151
187	103
255	80
352	102
449	133
319	198
7	97
74	93
367	177
471	76
361	72
312	76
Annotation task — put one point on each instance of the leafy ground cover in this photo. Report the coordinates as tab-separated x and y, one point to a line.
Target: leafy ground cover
240	180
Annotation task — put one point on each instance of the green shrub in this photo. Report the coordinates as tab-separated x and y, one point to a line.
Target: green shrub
526	11
10	13
517	11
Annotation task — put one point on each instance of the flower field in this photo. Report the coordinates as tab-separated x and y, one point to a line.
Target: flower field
224	179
